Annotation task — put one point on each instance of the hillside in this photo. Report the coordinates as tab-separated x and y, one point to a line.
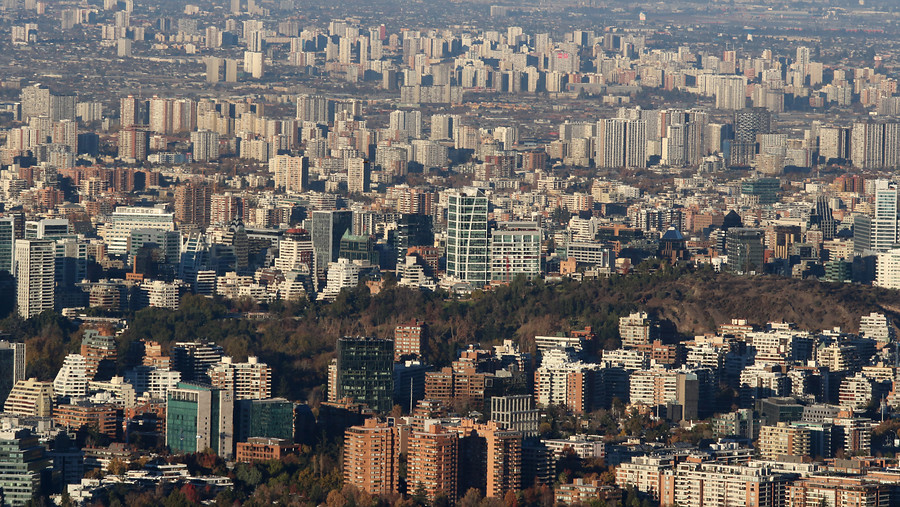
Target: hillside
297	341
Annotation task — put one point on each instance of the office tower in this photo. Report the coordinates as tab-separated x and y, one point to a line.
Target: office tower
269	418
433	462
358	175
409	339
47	228
7	243
365	371
192	204
117	232
134	144
25	467
516	413
30	398
467	237
875	145
745	250
515	251
129	112
35	270
328	227
884	224
12	367
637	330
823	218
748	123
206	145
99	354
213	69
372	457
200	417
291	173
166	244
235	6
193	359
248	381
71	379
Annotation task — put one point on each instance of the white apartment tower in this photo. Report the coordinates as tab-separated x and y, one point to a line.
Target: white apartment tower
35	270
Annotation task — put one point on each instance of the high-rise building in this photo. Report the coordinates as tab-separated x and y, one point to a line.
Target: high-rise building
745	249
134	143
433	462
12	367
129	112
358	175
206	145
35	269
885	222
99	354
515	251
328	227
875	145
372	457
200	417
71	379
315	108
7	243
784	440
407	123
467	237
24	467
409	339
516	413
116	233
30	398
213	69
193	359
887	269
291	173
637	329
248	381
748	123
270	418
492	457
621	143
731	92
255	63
192	204
365	371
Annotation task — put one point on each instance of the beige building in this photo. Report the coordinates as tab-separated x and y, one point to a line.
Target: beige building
30	398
